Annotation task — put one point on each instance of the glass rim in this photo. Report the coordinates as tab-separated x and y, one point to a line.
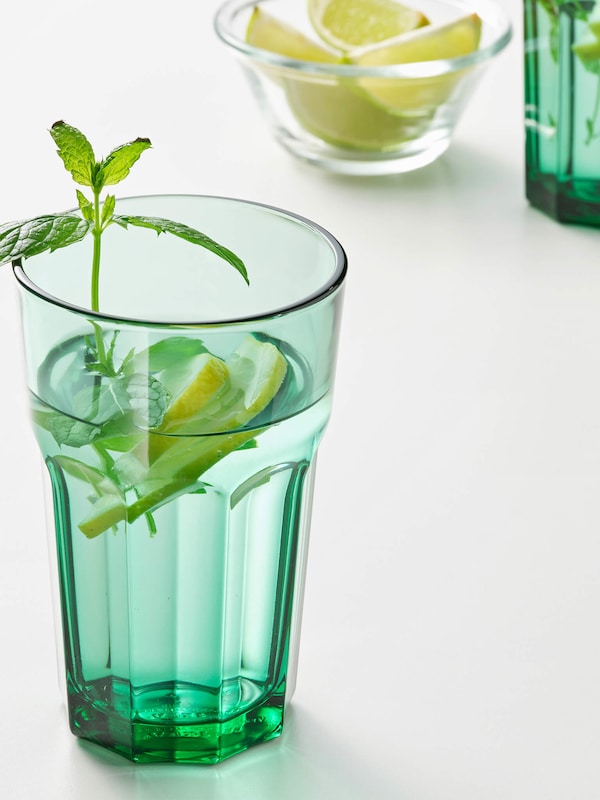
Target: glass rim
329	287
225	16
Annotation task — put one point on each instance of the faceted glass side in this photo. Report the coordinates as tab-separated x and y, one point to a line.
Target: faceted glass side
562	109
176	645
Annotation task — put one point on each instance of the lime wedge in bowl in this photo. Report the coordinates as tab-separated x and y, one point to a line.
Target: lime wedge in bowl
346	24
458	38
344	115
270	33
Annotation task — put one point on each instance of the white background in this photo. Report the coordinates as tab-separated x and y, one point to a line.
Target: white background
451	641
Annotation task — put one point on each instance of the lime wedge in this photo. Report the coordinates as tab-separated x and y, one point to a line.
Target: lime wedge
345	24
344	115
107	512
256	371
452	40
210	377
271	34
587	49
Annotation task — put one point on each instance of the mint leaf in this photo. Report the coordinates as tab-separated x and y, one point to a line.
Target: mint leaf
49	232
102	400
76	152
149	398
165	353
66	430
107	209
99	482
184	232
117	164
85	206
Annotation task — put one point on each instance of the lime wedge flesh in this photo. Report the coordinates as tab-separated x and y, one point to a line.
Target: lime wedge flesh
588	47
269	33
210	379
211	376
347	116
452	40
346	24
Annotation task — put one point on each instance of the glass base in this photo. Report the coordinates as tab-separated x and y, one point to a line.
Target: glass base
170	723
566	201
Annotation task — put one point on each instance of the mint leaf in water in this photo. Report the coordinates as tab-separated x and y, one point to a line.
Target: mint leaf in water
99	482
164	353
66	430
34	236
149	398
184	232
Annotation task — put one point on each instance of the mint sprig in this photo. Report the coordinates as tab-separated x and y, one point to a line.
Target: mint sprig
52	231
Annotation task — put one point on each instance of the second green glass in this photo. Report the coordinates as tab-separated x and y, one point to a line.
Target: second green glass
562	109
182	481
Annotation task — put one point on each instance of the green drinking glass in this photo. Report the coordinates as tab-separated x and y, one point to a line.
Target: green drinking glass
562	109
179	426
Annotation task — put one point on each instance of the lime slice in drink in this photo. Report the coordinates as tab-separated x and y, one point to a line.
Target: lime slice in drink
269	33
107	512
452	40
256	371
210	377
345	24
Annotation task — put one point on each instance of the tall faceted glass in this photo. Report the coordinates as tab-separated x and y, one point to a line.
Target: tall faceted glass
179	427
562	108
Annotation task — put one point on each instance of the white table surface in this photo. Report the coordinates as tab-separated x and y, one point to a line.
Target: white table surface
450	644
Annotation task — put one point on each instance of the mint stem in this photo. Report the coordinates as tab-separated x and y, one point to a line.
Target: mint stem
96	233
97	237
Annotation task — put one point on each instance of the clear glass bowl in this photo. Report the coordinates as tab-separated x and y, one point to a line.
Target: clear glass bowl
339	116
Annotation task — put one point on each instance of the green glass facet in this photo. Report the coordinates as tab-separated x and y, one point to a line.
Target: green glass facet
181	548
562	109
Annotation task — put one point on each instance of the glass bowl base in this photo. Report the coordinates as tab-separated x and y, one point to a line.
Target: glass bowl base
343	161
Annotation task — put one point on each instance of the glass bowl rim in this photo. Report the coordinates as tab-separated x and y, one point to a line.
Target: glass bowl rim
225	15
331	285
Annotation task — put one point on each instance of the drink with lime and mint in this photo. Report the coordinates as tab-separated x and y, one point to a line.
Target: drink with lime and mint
562	109
178	409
